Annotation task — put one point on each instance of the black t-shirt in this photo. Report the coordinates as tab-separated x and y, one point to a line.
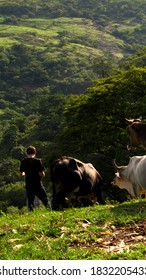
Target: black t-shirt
32	167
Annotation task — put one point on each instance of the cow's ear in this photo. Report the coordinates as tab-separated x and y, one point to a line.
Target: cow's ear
118	175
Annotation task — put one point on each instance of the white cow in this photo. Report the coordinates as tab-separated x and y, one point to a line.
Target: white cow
132	177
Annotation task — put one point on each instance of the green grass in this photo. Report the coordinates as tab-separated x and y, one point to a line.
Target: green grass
70	234
41	32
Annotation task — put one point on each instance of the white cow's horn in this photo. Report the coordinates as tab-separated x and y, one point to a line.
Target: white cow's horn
114	165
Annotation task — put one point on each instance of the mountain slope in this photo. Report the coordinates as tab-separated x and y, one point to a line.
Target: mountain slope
76	37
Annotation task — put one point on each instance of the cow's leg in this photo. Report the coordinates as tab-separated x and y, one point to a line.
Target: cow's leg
62	199
55	202
136	190
59	201
99	194
86	188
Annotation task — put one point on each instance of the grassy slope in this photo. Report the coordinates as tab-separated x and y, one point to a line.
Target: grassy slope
79	34
43	33
71	234
77	42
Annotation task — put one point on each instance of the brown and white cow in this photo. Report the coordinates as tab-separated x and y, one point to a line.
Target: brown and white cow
72	177
132	177
137	133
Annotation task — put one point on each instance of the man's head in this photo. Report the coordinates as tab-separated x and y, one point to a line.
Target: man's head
31	150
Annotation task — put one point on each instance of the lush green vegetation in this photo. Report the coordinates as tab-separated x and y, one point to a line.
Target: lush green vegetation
50	54
99	232
70	72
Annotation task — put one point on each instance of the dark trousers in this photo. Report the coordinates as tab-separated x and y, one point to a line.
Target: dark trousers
40	193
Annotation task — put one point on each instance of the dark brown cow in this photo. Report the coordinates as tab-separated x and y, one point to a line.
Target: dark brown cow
72	177
137	133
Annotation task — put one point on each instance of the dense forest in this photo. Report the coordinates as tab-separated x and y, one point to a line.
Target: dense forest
70	73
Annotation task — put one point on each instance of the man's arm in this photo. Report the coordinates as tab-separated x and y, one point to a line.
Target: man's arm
22	169
42	169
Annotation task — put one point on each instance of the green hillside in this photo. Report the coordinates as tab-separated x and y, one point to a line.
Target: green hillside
70	72
96	22
74	40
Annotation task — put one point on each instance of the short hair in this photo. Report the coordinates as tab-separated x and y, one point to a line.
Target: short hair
31	150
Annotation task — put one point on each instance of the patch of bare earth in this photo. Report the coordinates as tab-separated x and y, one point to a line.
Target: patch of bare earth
118	238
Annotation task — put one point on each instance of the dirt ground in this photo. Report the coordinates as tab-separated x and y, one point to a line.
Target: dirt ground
120	238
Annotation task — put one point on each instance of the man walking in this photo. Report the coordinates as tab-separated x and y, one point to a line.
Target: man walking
33	170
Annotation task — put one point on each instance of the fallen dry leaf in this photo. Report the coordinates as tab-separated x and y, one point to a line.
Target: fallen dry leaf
100	240
13	240
121	244
62	235
64	229
84	225
17	247
14	230
139	238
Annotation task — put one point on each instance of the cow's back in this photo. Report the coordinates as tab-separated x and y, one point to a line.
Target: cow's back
137	171
92	174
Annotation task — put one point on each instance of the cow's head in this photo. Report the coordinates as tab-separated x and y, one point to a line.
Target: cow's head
119	175
130	121
121	180
132	130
